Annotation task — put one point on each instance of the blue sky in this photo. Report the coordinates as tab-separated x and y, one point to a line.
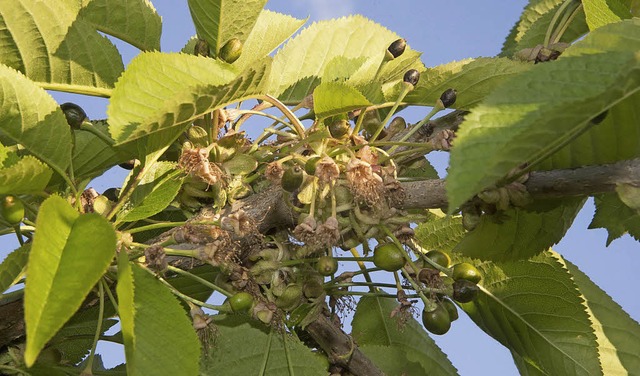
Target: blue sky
443	31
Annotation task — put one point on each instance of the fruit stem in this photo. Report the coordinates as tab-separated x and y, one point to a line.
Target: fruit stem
417	126
407	87
89	127
200	280
295	122
363	268
554	20
88	369
565	22
182	296
109	294
18	233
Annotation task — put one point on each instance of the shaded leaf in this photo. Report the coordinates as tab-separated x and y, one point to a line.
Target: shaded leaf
441	233
243	346
25	175
154	325
373	326
534	309
194	288
135	22
31	118
240	164
533	11
629	194
12	267
299	65
518	234
616	217
537	114
333	98
217	21
618	335
70	253
156	191
92	156
603	12
473	79
50	45
269	32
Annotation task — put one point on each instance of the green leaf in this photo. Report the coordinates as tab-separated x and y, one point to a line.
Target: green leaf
441	233
333	98
156	191
617	138
31	118
420	168
473	79
25	175
50	45
536	114
193	288
341	68
12	267
135	22
518	234
217	21
159	338
534	309
92	156
70	253
299	65
618	335
534	23
616	217
603	12
373	326
241	164
246	347
269	32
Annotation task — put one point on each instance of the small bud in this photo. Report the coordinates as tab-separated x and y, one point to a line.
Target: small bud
75	114
339	128
231	50
397	47
448	98
412	76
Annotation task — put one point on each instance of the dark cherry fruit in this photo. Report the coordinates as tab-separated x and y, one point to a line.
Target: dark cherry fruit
464	291
464	270
397	47
448	98
327	265
436	321
388	257
412	76
75	114
241	302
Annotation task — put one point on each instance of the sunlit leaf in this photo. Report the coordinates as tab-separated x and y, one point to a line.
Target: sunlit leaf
12	267
603	12
534	309
156	191
299	65
70	253
333	98
442	234
217	21
539	112
31	118
135	22
373	326
618	335
473	79
247	347
518	234
155	326
26	175
269	32
48	43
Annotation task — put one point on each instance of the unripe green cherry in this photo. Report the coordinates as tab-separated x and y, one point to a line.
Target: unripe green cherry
464	270
12	210
241	302
292	178
439	258
436	321
451	308
231	50
327	265
388	257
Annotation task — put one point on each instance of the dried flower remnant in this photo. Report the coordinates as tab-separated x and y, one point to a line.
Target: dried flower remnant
327	170
196	163
366	186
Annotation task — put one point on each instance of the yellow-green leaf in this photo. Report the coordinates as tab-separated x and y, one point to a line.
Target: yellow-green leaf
70	253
